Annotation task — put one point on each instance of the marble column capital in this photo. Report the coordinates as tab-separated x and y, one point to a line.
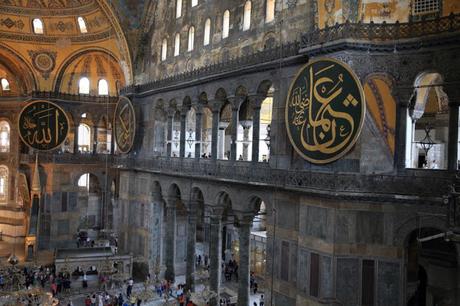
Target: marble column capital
256	101
216	105
214	211
244	218
236	101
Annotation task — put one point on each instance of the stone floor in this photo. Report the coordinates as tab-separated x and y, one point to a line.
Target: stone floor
228	287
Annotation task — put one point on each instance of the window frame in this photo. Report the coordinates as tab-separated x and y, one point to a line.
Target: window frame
99	87
7	86
79	86
247	12
164	50
191	39
226	24
178	9
177	44
84	24
5	148
207	32
270	10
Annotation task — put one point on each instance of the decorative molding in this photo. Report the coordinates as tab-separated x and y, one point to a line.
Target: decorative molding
40	9
53	39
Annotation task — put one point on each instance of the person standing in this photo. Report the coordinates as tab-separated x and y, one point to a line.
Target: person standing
262	300
130	287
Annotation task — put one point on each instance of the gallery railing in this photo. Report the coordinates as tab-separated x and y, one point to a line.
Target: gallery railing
382	31
422	183
51	95
69	158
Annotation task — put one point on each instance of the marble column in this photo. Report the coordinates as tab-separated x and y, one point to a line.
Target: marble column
191	247
112	141
170	239
246	124
452	145
404	96
183	133
198	123
256	104
215	256
95	131
75	139
234	133
215	133
170	134
244	232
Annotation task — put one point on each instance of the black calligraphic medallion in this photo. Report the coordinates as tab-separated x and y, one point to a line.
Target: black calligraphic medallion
325	110
43	125
124	122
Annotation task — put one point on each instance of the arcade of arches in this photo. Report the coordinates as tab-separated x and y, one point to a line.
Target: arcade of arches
213	193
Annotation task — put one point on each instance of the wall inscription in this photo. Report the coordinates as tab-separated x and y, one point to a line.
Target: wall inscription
325	110
125	125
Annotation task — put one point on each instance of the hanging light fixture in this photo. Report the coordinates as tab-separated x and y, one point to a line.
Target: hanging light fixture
427	142
190	139
268	137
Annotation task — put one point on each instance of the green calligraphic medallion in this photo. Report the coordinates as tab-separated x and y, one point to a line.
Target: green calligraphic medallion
124	122
43	125
325	110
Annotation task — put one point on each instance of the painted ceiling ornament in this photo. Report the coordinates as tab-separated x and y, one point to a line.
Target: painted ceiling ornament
325	110
43	125
43	61
124	122
9	23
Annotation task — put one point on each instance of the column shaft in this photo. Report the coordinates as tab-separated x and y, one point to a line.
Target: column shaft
215	247
75	140
234	133
170	243
170	135
404	96
215	133
452	145
255	134
95	140
191	250
199	116
183	134
244	264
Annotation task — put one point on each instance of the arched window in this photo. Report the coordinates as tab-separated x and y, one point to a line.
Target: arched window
4	136
84	138
3	184
270	11
82	25
83	181
247	16
5	85
83	86
194	3
38	26
103	87
226	24
207	32
178	8
177	44
164	49
191	38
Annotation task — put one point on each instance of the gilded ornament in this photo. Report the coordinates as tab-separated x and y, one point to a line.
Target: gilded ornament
325	110
124	123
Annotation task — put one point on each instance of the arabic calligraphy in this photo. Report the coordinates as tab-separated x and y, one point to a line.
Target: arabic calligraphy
43	125
325	110
125	125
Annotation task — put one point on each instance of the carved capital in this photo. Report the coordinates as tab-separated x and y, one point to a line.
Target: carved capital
216	105
256	101
236	101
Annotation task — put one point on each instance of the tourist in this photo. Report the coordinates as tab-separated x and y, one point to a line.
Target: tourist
139	301
53	289
261	301
129	289
93	300
133	300
87	301
85	281
255	287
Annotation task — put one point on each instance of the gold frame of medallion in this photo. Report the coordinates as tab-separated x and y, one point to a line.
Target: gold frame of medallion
113	124
361	123
58	107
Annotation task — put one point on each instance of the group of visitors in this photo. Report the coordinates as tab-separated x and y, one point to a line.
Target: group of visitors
202	260
230	269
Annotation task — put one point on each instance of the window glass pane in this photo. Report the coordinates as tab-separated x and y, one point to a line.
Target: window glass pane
38	26
4	136
3	184
191	38
247	16
207	32
82	25
226	24
5	84
84	138
194	3
178	8
270	11
176	44
164	49
103	88
83	86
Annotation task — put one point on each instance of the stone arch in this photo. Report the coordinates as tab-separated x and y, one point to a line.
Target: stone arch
402	233
20	67
220	94
422	84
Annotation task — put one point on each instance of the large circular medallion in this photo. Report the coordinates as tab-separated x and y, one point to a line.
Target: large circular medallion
124	123
325	110
43	125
